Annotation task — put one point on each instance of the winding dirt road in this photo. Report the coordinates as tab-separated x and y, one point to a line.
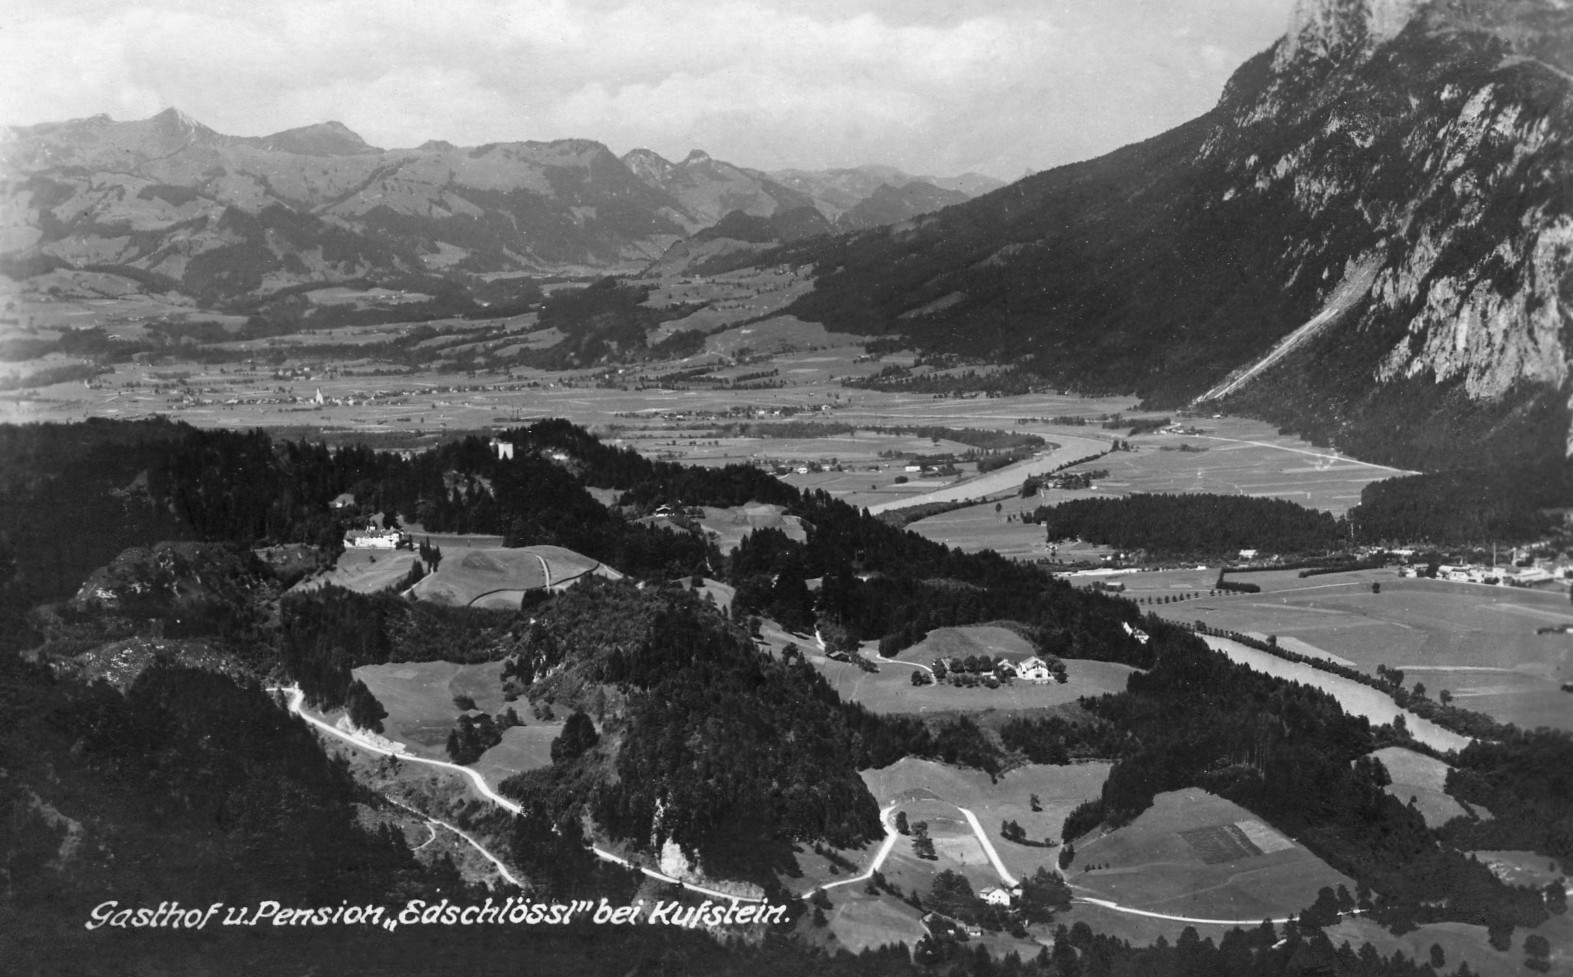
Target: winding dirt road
891	834
296	699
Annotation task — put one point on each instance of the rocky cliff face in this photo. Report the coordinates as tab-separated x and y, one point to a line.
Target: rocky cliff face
1439	138
1340	28
1369	238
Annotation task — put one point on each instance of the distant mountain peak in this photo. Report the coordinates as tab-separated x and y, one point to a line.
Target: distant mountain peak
319	139
173	117
696	156
1337	28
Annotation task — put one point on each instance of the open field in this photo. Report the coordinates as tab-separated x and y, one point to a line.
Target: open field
1009	798
890	690
522	748
955	845
499	577
419	698
967	641
860	921
1139	930
367	571
979	527
1195	854
1238	457
1174	584
273	382
1461	943
1478	642
483	578
817	870
364	571
732	524
1525	868
1423	779
421	712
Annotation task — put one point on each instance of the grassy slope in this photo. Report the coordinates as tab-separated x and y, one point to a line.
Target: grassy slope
1150	866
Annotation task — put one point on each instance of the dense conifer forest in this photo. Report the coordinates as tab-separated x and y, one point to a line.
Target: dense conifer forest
196	779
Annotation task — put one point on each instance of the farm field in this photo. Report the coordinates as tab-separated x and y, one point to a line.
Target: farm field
522	748
1139	930
1234	456
1525	868
363	571
730	525
890	690
1195	854
367	571
979	527
271	383
1475	641
1424	779
1461	943
817	870
499	577
860	921
968	641
1009	798
1355	698
419	698
1174	584
955	846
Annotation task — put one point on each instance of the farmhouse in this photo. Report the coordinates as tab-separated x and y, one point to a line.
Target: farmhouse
373	539
1034	669
502	449
995	896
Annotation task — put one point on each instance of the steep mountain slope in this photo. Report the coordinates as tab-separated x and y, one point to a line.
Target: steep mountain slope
1376	214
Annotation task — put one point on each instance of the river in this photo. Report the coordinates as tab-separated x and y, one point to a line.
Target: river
1357	699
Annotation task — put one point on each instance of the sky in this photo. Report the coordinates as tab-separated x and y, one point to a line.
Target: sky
935	87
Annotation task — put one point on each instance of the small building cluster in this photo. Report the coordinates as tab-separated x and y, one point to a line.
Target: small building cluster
1492	576
375	539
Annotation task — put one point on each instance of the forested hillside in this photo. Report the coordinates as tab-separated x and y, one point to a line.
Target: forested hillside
682	732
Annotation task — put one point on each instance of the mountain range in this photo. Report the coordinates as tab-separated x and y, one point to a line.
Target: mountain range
1368	239
179	206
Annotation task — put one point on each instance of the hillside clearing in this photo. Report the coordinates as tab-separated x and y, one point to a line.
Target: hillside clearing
1195	854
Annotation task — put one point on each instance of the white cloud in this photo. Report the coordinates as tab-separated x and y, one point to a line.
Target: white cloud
928	85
